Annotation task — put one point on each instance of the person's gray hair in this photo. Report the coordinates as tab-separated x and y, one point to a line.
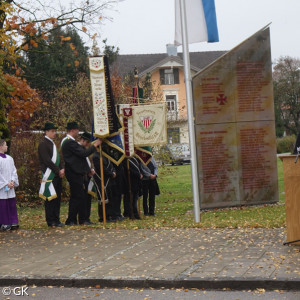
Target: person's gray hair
2	141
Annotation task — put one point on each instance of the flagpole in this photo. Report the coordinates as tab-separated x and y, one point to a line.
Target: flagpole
190	111
102	187
129	192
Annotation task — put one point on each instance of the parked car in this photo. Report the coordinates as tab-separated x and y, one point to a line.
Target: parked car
175	154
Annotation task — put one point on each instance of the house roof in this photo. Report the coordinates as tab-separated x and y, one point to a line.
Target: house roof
148	62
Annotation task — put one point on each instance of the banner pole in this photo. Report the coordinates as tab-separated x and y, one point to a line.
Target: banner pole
102	187
130	193
190	111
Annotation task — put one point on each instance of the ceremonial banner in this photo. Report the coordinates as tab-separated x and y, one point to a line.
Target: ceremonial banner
106	121
138	95
127	136
144	154
149	125
235	126
112	148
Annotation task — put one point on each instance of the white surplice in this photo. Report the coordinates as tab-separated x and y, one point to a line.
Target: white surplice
8	172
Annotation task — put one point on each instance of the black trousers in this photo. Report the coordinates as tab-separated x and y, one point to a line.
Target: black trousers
77	202
127	204
148	193
110	207
117	201
88	200
52	207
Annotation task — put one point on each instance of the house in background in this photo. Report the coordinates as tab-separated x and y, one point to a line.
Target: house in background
167	74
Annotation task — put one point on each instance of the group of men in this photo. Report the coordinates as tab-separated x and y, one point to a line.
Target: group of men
129	180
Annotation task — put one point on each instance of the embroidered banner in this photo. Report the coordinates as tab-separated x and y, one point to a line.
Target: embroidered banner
112	148
144	154
127	136
106	121
149	125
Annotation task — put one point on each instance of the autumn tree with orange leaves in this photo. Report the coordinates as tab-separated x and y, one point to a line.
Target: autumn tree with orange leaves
23	25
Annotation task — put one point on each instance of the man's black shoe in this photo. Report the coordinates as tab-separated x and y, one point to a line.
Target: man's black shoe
87	223
146	214
71	224
90	222
153	214
111	220
59	224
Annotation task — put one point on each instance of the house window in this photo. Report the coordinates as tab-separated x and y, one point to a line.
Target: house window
171	103
169	76
173	135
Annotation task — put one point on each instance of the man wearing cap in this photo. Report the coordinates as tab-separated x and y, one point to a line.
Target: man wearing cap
52	172
76	167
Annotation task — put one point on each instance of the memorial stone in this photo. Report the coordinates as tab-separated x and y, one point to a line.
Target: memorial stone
235	127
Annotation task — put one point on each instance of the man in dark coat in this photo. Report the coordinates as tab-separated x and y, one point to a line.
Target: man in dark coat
134	184
120	189
109	184
150	187
297	145
76	167
53	172
85	141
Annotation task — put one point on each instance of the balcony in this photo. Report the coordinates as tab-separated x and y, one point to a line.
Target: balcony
172	115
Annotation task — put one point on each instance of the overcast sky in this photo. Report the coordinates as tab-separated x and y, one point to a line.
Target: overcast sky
146	26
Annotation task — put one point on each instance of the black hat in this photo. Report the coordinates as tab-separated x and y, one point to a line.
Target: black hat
72	125
48	126
86	136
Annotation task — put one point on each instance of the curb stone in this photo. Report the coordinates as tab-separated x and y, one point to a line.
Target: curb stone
197	283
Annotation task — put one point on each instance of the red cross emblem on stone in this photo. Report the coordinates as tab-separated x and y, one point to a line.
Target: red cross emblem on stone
222	99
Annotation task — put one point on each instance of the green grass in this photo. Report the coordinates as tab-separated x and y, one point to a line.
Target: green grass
174	208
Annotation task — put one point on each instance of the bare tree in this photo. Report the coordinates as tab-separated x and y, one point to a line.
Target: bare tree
286	78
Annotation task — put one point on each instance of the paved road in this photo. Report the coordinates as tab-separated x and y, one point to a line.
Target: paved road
199	258
42	293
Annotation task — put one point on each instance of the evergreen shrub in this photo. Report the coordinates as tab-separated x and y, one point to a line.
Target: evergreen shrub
286	144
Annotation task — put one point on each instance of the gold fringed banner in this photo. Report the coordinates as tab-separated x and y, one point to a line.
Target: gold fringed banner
127	135
149	125
106	121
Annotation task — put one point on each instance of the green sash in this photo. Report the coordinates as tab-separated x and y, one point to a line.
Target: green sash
47	191
63	140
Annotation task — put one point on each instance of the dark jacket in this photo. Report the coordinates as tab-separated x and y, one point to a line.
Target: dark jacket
108	171
297	144
151	168
108	167
121	178
135	173
45	152
75	156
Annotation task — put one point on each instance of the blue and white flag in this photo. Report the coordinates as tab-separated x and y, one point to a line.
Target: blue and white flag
201	21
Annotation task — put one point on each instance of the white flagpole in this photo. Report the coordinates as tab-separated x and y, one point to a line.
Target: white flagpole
190	111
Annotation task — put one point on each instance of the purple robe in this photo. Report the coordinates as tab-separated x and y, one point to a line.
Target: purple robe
8	206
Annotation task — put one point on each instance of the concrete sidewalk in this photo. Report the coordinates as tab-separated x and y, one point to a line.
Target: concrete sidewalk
191	258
